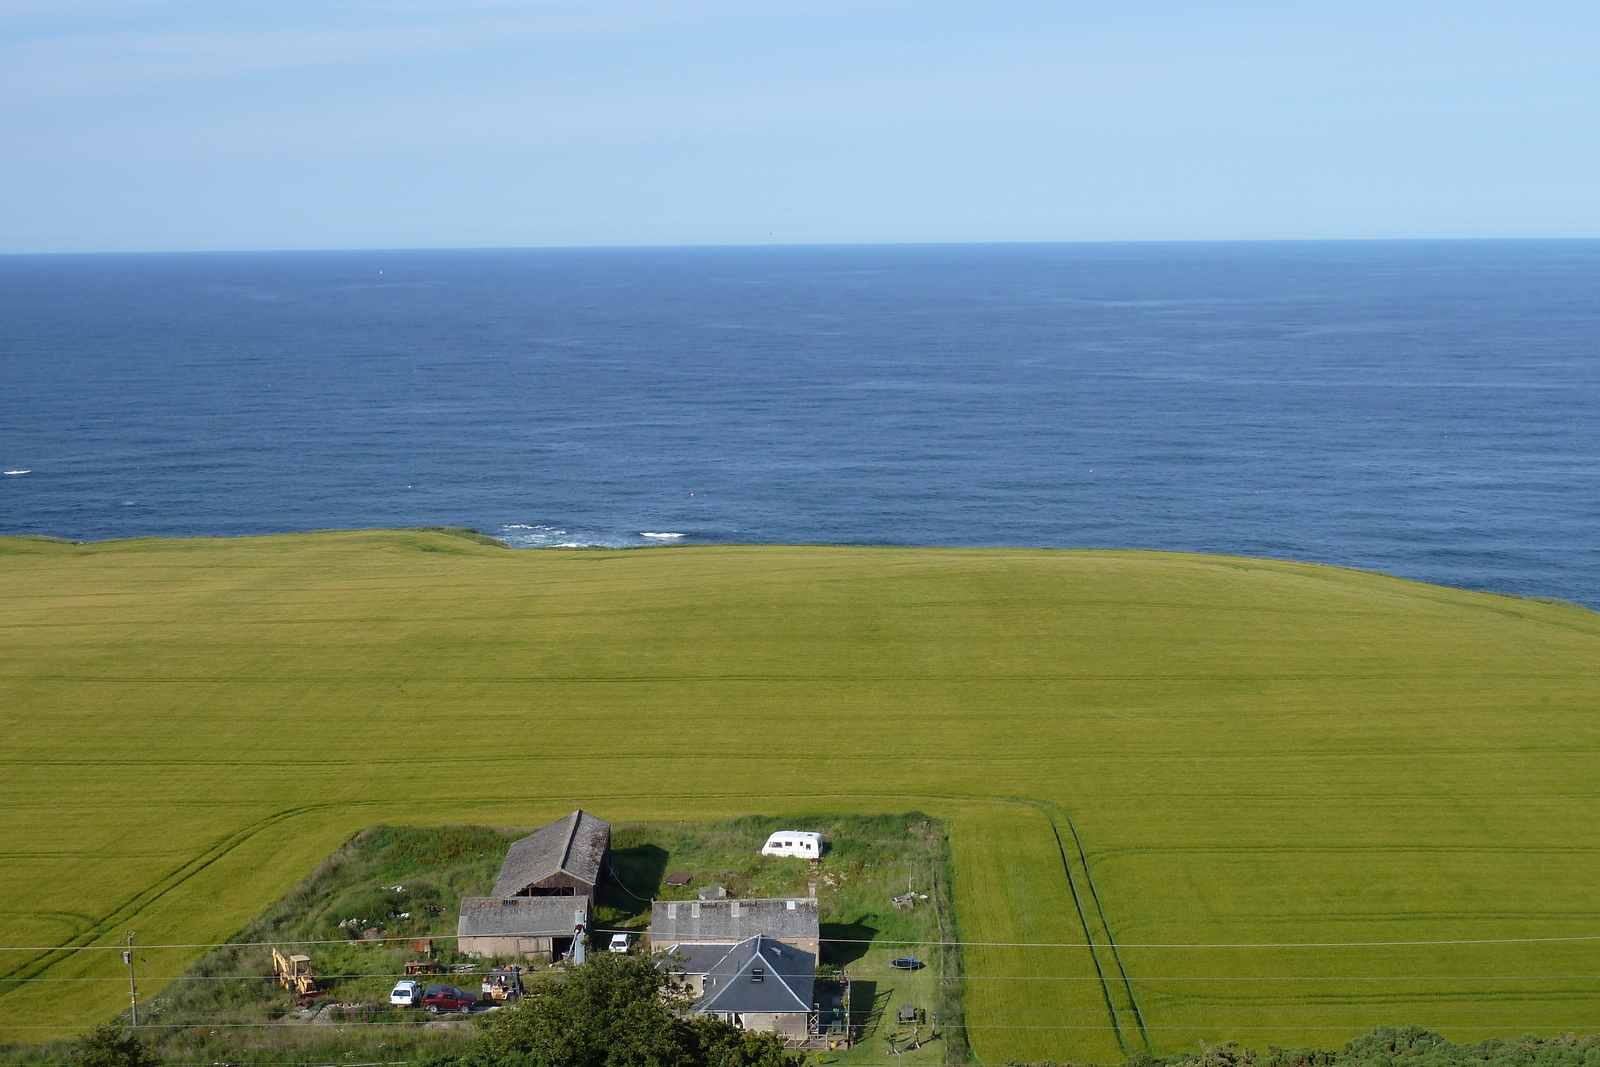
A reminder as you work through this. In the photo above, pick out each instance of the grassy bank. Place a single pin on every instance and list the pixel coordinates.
(1133, 750)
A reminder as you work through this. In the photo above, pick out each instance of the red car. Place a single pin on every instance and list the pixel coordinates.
(437, 998)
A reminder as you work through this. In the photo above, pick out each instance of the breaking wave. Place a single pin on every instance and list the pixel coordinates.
(545, 535)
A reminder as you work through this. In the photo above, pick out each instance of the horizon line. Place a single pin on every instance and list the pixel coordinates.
(715, 246)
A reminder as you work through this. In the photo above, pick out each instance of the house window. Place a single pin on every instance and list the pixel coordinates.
(757, 974)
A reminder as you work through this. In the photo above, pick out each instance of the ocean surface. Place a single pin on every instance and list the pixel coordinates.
(1429, 409)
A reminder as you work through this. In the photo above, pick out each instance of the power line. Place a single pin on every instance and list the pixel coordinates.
(201, 1017)
(896, 974)
(1196, 1018)
(858, 941)
(1258, 1028)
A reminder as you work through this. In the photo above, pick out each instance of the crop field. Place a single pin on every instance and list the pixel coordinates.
(1188, 798)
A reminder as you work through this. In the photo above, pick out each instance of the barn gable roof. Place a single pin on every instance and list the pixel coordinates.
(575, 845)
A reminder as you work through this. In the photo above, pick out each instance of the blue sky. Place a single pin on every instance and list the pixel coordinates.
(166, 124)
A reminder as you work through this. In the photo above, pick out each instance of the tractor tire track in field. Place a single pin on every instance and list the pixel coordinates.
(33, 966)
(1123, 1006)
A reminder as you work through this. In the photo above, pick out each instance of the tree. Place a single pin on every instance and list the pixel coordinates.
(720, 1044)
(109, 1046)
(617, 1011)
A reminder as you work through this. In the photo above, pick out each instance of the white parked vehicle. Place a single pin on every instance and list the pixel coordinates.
(406, 993)
(802, 843)
(620, 943)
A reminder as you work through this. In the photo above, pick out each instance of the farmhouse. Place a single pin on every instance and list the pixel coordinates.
(752, 962)
(545, 892)
(529, 927)
(564, 859)
(792, 920)
(762, 984)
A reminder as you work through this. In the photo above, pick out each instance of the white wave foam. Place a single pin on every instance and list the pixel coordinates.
(19, 472)
(540, 535)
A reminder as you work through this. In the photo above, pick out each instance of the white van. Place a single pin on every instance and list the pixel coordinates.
(802, 843)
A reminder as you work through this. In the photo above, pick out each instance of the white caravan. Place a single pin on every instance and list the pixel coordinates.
(802, 843)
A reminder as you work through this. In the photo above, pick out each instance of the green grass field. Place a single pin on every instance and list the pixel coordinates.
(1155, 749)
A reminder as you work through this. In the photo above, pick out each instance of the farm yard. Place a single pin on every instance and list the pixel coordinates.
(869, 861)
(1188, 798)
(363, 914)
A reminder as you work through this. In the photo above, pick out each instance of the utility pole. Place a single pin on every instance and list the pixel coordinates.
(133, 988)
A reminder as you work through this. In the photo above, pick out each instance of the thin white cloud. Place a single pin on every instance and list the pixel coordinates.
(64, 61)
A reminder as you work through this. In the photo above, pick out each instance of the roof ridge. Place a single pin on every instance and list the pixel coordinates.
(740, 900)
(755, 954)
(572, 835)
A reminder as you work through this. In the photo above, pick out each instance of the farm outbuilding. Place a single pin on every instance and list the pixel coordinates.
(565, 859)
(792, 920)
(526, 927)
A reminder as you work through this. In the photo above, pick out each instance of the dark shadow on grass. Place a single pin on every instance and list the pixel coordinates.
(639, 871)
(844, 943)
(864, 1007)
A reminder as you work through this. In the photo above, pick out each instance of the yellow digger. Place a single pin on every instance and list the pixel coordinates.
(294, 974)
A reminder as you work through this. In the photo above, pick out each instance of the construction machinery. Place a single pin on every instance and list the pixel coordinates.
(294, 974)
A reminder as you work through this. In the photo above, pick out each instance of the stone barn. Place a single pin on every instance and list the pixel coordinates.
(565, 859)
(526, 927)
(544, 892)
(792, 920)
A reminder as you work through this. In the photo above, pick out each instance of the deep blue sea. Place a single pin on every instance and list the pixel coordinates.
(1430, 409)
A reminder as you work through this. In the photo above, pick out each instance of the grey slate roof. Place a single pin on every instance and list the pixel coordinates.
(788, 978)
(519, 916)
(786, 918)
(691, 958)
(575, 844)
